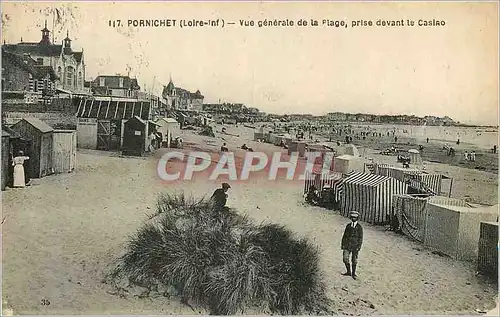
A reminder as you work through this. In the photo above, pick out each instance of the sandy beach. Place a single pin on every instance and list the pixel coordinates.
(61, 235)
(90, 90)
(466, 175)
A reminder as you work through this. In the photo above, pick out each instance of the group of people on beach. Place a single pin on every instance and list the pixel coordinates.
(470, 156)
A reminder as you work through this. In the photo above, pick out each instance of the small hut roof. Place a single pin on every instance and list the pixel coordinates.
(12, 134)
(347, 157)
(349, 149)
(5, 133)
(169, 120)
(39, 125)
(139, 119)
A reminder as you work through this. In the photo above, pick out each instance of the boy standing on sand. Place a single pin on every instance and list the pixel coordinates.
(351, 244)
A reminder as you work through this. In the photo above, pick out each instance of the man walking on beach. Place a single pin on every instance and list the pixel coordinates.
(351, 244)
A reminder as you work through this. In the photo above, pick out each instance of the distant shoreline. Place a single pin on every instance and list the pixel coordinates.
(369, 119)
(420, 125)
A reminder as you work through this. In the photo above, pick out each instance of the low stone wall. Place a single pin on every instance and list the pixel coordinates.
(56, 120)
(64, 105)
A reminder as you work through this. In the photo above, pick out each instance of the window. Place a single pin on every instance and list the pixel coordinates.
(121, 82)
(101, 81)
(59, 73)
(69, 76)
(39, 61)
(80, 81)
(31, 82)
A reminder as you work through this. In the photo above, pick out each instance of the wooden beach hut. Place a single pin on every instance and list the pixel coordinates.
(415, 157)
(286, 138)
(169, 128)
(257, 136)
(64, 151)
(100, 120)
(487, 259)
(370, 195)
(348, 149)
(16, 143)
(455, 230)
(320, 179)
(348, 163)
(298, 147)
(411, 212)
(415, 178)
(135, 137)
(40, 152)
(273, 139)
(5, 158)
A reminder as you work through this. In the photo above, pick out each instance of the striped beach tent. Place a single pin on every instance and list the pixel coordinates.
(411, 214)
(415, 178)
(320, 179)
(370, 195)
(432, 181)
(338, 186)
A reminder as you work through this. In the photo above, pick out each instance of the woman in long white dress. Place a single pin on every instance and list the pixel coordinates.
(17, 162)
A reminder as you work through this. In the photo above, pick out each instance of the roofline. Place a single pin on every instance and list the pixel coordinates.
(63, 130)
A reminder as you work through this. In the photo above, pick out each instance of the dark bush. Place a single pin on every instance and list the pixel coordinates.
(222, 261)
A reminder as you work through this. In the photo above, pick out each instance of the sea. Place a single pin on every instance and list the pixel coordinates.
(481, 137)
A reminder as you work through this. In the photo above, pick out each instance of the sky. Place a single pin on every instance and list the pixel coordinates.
(442, 71)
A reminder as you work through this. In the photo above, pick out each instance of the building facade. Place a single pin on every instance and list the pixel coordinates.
(23, 78)
(115, 86)
(182, 99)
(69, 65)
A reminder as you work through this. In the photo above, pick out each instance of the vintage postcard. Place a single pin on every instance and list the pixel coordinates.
(249, 158)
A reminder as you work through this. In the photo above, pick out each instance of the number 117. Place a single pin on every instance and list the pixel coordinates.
(115, 23)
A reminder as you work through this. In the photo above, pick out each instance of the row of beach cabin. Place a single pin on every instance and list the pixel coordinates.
(102, 124)
(424, 212)
(120, 124)
(50, 150)
(418, 202)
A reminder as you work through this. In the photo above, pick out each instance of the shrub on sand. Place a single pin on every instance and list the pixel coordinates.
(297, 280)
(222, 261)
